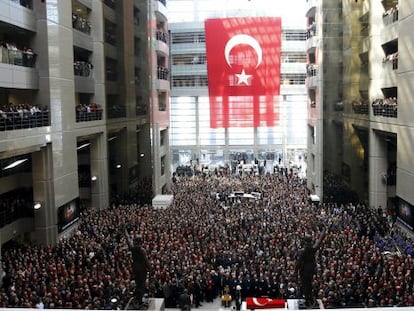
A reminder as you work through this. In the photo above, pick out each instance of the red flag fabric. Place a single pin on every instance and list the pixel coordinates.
(243, 66)
(264, 303)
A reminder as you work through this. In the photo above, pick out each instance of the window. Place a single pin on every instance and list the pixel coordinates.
(294, 35)
(188, 37)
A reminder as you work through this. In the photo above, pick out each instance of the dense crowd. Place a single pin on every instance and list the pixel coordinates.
(202, 244)
(12, 54)
(386, 107)
(18, 116)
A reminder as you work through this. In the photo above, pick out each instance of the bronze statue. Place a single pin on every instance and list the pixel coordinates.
(141, 267)
(306, 266)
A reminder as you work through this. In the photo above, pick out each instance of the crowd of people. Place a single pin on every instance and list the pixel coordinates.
(82, 68)
(386, 107)
(10, 53)
(81, 24)
(21, 116)
(201, 245)
(88, 112)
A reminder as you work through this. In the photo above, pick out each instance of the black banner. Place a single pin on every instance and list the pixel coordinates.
(68, 214)
(405, 213)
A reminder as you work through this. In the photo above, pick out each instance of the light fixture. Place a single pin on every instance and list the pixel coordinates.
(111, 138)
(14, 164)
(37, 205)
(142, 155)
(118, 166)
(94, 178)
(83, 146)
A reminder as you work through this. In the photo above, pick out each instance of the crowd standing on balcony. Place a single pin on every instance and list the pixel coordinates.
(311, 70)
(81, 24)
(386, 107)
(162, 36)
(14, 117)
(82, 68)
(11, 54)
(162, 73)
(204, 246)
(88, 112)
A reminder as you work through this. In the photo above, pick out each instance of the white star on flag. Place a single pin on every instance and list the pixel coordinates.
(243, 78)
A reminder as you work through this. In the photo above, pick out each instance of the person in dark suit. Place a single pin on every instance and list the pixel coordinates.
(306, 266)
(141, 266)
(185, 301)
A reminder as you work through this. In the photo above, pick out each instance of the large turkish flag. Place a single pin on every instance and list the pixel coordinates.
(243, 65)
(264, 303)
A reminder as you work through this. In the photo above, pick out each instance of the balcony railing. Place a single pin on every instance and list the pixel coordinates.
(141, 110)
(88, 113)
(10, 121)
(360, 107)
(392, 58)
(81, 24)
(385, 107)
(116, 111)
(311, 70)
(162, 36)
(83, 69)
(162, 73)
(390, 16)
(17, 57)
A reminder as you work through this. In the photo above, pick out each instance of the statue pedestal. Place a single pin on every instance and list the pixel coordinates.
(154, 304)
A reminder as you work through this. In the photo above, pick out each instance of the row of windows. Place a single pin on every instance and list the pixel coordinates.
(199, 37)
(201, 81)
(188, 37)
(200, 59)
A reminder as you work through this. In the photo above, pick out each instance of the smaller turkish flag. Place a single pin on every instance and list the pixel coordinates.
(264, 303)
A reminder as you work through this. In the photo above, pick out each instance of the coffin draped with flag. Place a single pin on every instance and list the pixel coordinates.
(264, 303)
(243, 65)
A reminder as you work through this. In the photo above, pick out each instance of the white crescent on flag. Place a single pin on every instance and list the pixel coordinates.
(243, 39)
(258, 304)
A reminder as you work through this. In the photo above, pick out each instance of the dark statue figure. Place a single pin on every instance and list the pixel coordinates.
(141, 267)
(306, 267)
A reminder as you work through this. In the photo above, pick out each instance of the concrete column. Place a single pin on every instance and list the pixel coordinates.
(99, 168)
(377, 169)
(43, 192)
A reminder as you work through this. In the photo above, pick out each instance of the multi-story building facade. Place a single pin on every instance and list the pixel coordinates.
(191, 137)
(359, 94)
(84, 94)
